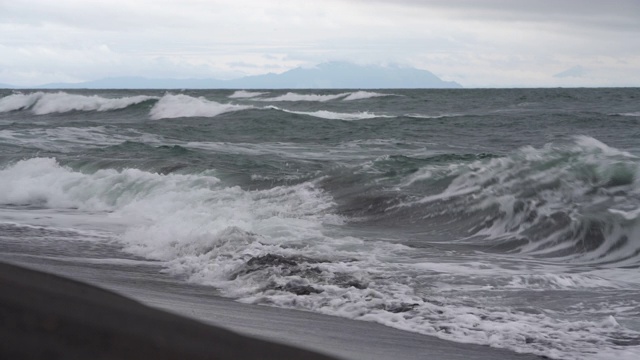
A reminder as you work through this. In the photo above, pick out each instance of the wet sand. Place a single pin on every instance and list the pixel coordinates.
(44, 316)
(267, 332)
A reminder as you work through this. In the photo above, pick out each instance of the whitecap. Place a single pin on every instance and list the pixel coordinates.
(19, 101)
(291, 96)
(209, 233)
(637, 113)
(426, 116)
(61, 102)
(359, 95)
(243, 94)
(175, 106)
(331, 115)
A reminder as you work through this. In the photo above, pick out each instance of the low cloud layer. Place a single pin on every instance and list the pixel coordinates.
(478, 43)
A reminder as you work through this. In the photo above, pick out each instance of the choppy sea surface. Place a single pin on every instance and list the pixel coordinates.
(509, 218)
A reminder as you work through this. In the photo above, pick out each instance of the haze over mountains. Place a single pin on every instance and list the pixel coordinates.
(330, 75)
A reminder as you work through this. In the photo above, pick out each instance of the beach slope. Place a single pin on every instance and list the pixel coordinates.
(45, 316)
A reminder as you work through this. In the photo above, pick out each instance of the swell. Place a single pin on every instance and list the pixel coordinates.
(170, 106)
(41, 103)
(345, 96)
(160, 159)
(331, 115)
(577, 201)
(272, 247)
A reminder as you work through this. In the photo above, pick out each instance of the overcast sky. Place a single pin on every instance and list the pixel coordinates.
(478, 43)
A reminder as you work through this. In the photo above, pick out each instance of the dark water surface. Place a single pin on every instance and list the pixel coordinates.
(509, 218)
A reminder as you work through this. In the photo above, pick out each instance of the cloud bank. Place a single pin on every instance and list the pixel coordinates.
(478, 43)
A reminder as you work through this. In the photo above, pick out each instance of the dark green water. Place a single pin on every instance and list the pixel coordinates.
(501, 217)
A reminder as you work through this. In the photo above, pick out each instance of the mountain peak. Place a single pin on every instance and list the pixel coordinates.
(328, 75)
(338, 74)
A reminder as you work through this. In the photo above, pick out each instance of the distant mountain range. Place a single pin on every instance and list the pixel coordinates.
(330, 75)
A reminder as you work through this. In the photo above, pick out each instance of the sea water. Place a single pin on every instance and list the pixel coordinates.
(509, 218)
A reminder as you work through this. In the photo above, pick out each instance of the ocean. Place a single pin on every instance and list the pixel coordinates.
(506, 217)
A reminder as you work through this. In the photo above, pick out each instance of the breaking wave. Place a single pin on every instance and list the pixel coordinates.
(175, 106)
(359, 95)
(243, 94)
(19, 101)
(290, 96)
(271, 247)
(324, 114)
(41, 103)
(346, 96)
(574, 202)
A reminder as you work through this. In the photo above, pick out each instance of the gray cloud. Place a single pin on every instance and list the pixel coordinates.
(614, 14)
(474, 42)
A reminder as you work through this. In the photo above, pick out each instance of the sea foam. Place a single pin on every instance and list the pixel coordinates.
(359, 95)
(291, 96)
(68, 139)
(637, 113)
(243, 94)
(175, 106)
(331, 115)
(346, 96)
(19, 101)
(61, 102)
(271, 247)
(570, 202)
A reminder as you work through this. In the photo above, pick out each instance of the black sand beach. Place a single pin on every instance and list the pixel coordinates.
(47, 316)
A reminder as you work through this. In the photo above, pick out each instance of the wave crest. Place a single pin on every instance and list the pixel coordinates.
(345, 96)
(42, 103)
(19, 101)
(175, 106)
(243, 94)
(270, 247)
(291, 96)
(359, 95)
(573, 201)
(331, 115)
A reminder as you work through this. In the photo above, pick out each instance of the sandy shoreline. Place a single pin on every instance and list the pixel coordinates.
(297, 330)
(45, 316)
